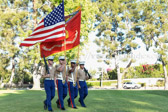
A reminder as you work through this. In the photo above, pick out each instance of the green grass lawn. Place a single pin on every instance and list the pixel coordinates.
(97, 101)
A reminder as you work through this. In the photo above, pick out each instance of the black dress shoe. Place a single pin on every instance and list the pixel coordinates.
(79, 101)
(63, 108)
(75, 107)
(57, 102)
(84, 106)
(45, 106)
(69, 104)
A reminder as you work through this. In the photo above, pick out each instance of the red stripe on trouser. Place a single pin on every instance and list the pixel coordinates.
(58, 94)
(70, 94)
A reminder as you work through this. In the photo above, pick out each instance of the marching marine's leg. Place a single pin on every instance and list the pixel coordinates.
(48, 92)
(60, 93)
(75, 91)
(71, 94)
(45, 101)
(52, 89)
(65, 88)
(85, 90)
(81, 93)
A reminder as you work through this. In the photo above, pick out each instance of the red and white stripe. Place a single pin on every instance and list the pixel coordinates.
(54, 32)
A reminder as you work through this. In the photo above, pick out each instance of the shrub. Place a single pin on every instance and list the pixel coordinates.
(28, 79)
(93, 79)
(160, 83)
(97, 83)
(143, 84)
(112, 74)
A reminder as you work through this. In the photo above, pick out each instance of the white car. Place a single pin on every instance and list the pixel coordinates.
(131, 85)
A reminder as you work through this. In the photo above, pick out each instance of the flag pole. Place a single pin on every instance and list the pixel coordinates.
(64, 75)
(76, 75)
(76, 69)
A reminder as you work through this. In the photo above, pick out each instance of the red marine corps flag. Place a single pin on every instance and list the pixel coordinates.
(72, 29)
(51, 28)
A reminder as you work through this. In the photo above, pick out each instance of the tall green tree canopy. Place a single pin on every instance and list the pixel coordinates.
(116, 24)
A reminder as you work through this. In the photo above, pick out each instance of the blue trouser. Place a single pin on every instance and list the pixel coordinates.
(83, 92)
(49, 86)
(73, 93)
(62, 92)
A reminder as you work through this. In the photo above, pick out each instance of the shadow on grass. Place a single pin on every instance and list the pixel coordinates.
(129, 101)
(21, 101)
(163, 93)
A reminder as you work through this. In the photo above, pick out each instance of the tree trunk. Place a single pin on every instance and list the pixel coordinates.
(1, 80)
(36, 78)
(120, 75)
(36, 82)
(119, 82)
(165, 74)
(12, 76)
(13, 72)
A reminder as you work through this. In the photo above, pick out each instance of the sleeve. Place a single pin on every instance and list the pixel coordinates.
(57, 67)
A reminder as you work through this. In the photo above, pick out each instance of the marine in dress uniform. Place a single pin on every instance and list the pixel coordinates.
(61, 76)
(82, 86)
(49, 83)
(72, 84)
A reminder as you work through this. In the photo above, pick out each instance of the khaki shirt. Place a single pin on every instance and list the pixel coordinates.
(52, 70)
(60, 75)
(81, 74)
(72, 76)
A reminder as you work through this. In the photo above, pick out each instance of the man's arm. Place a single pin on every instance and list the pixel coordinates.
(60, 68)
(88, 76)
(78, 83)
(44, 75)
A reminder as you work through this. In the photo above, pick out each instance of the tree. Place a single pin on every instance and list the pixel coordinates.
(154, 22)
(10, 18)
(17, 22)
(162, 38)
(116, 25)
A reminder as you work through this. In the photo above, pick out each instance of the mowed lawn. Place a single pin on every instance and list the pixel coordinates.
(97, 101)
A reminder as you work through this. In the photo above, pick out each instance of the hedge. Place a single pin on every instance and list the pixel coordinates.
(104, 83)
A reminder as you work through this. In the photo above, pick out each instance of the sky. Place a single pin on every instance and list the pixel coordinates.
(140, 55)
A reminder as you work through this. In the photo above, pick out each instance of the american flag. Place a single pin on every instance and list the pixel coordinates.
(51, 28)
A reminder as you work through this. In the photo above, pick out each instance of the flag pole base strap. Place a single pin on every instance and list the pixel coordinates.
(74, 84)
(63, 81)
